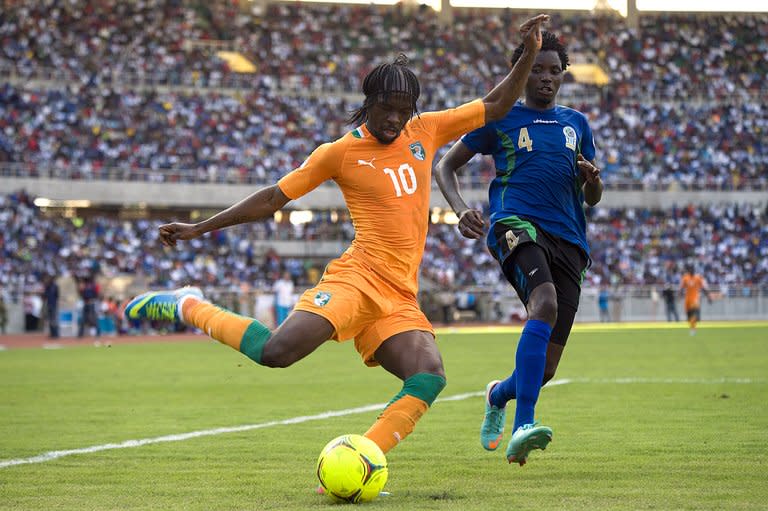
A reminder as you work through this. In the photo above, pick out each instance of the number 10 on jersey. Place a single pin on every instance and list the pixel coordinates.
(404, 179)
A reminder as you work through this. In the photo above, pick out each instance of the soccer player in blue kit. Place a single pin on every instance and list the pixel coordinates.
(544, 156)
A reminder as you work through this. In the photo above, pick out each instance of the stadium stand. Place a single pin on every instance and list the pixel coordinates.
(136, 93)
(105, 134)
(681, 74)
(630, 246)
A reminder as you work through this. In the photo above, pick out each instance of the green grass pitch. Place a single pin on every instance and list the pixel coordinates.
(643, 419)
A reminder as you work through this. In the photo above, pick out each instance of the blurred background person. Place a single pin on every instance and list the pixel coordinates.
(89, 294)
(283, 289)
(669, 302)
(51, 295)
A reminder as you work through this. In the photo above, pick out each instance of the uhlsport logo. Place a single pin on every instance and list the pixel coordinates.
(418, 151)
(322, 298)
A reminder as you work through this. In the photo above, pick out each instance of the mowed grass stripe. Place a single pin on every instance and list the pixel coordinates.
(52, 455)
(627, 437)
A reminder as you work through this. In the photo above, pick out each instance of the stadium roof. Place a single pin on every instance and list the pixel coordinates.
(697, 6)
(589, 73)
(236, 61)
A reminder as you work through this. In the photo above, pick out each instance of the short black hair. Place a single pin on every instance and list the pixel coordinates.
(385, 80)
(549, 42)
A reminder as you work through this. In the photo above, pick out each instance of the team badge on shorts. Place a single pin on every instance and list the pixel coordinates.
(418, 151)
(512, 240)
(322, 298)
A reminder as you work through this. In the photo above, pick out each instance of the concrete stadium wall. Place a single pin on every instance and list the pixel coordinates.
(327, 196)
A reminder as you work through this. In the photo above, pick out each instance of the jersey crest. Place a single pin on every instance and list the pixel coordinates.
(322, 298)
(418, 151)
(570, 137)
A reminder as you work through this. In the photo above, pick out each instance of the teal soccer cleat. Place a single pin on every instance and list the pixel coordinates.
(160, 305)
(527, 438)
(492, 428)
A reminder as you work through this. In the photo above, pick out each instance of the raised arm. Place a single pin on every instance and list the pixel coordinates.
(502, 98)
(471, 224)
(257, 206)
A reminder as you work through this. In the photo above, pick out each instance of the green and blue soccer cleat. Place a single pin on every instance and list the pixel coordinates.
(160, 305)
(492, 428)
(527, 438)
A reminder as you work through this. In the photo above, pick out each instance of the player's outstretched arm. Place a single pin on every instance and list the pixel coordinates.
(257, 206)
(502, 98)
(471, 223)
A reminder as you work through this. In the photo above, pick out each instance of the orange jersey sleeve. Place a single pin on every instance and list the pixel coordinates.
(323, 164)
(448, 125)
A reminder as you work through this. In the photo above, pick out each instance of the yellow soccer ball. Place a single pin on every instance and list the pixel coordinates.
(352, 468)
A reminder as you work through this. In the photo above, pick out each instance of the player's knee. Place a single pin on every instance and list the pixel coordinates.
(275, 354)
(439, 385)
(425, 386)
(433, 367)
(542, 304)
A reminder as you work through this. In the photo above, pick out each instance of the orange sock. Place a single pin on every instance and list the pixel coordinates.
(396, 422)
(242, 333)
(402, 413)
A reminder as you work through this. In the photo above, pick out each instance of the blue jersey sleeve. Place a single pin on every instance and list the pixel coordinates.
(588, 149)
(482, 140)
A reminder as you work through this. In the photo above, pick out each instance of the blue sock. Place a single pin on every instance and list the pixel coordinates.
(504, 391)
(530, 361)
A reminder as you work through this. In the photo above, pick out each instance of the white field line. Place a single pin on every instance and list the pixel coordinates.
(52, 455)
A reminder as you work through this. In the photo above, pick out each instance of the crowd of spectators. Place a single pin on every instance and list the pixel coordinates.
(93, 41)
(677, 112)
(728, 244)
(328, 46)
(33, 246)
(685, 109)
(92, 133)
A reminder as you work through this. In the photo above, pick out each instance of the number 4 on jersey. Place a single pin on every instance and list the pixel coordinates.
(524, 140)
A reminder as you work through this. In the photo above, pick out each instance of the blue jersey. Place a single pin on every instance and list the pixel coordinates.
(536, 173)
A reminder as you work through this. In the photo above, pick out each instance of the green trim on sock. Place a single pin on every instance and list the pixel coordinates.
(253, 341)
(425, 386)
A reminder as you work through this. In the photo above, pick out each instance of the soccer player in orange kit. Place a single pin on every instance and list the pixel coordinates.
(693, 285)
(383, 168)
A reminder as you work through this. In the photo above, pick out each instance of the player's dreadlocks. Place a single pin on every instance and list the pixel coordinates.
(549, 42)
(382, 82)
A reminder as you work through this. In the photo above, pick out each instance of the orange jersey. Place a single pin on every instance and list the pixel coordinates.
(692, 284)
(386, 187)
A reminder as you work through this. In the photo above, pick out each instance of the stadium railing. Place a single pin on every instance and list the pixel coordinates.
(734, 302)
(234, 176)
